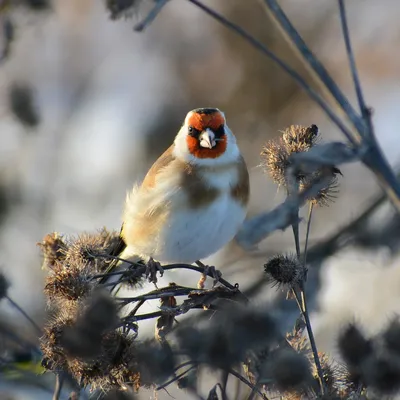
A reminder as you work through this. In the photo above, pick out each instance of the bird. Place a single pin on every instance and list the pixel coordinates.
(194, 198)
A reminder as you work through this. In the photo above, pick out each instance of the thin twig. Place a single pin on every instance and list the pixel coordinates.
(247, 383)
(176, 377)
(58, 386)
(310, 211)
(302, 304)
(264, 50)
(345, 29)
(294, 38)
(31, 321)
(151, 15)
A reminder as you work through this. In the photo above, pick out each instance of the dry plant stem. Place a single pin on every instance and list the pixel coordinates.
(151, 15)
(302, 304)
(264, 50)
(31, 321)
(310, 211)
(246, 382)
(176, 377)
(350, 54)
(294, 38)
(58, 386)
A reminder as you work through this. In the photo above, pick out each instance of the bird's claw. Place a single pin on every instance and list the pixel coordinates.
(214, 273)
(152, 267)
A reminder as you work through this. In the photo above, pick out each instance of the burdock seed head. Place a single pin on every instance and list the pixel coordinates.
(284, 270)
(327, 194)
(391, 337)
(4, 286)
(353, 346)
(275, 154)
(287, 370)
(299, 138)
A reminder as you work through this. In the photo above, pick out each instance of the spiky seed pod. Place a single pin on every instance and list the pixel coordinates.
(4, 286)
(53, 248)
(326, 195)
(391, 337)
(122, 8)
(300, 138)
(68, 282)
(382, 373)
(155, 362)
(353, 346)
(288, 370)
(22, 104)
(284, 270)
(113, 368)
(275, 159)
(275, 154)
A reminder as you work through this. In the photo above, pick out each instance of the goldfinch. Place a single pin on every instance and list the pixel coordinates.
(193, 199)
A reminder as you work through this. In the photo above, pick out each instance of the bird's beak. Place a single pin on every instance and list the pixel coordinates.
(207, 139)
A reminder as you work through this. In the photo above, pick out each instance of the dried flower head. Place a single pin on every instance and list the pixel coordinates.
(4, 286)
(155, 362)
(68, 282)
(22, 104)
(284, 270)
(226, 341)
(391, 337)
(353, 346)
(288, 370)
(53, 248)
(327, 194)
(275, 154)
(300, 138)
(382, 373)
(122, 8)
(93, 249)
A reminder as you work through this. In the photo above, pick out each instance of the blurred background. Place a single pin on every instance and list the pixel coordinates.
(87, 105)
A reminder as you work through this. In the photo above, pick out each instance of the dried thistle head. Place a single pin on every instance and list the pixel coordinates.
(288, 370)
(93, 249)
(4, 286)
(327, 194)
(122, 8)
(381, 372)
(154, 362)
(68, 282)
(353, 346)
(391, 337)
(226, 341)
(113, 368)
(275, 154)
(299, 138)
(53, 248)
(284, 270)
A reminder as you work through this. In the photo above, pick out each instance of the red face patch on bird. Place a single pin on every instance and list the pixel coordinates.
(206, 133)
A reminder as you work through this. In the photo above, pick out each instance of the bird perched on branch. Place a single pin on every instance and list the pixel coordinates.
(193, 199)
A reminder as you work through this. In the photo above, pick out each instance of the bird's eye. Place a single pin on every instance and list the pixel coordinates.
(220, 131)
(192, 131)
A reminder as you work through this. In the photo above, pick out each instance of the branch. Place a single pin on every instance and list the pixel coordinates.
(264, 50)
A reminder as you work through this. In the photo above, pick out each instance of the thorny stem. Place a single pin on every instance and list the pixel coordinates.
(58, 386)
(17, 307)
(302, 304)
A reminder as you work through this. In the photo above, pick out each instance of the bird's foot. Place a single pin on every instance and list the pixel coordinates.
(208, 269)
(152, 267)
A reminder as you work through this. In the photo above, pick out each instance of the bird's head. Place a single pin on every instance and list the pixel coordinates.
(204, 138)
